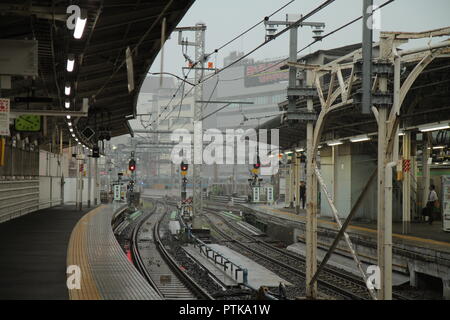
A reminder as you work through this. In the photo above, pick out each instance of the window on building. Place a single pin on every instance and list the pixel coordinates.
(164, 123)
(278, 98)
(184, 107)
(262, 100)
(181, 121)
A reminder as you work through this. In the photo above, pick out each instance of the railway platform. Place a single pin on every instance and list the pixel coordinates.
(41, 251)
(421, 234)
(423, 253)
(106, 272)
(34, 250)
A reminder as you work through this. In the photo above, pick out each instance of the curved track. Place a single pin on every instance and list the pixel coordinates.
(157, 265)
(331, 281)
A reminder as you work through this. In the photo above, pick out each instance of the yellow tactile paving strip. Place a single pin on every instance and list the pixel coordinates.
(334, 224)
(106, 272)
(76, 255)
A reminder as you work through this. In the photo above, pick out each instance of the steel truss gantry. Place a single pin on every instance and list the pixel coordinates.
(387, 113)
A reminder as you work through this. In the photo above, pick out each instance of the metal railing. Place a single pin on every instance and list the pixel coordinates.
(225, 263)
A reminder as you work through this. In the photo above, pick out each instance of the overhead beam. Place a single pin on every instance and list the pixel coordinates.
(41, 12)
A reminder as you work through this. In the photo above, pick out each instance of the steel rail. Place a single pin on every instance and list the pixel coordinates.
(136, 256)
(190, 283)
(333, 272)
(330, 286)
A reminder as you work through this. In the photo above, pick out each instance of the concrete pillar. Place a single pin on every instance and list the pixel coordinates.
(413, 277)
(425, 168)
(77, 196)
(406, 186)
(446, 289)
(296, 181)
(414, 173)
(96, 182)
(216, 173)
(291, 182)
(89, 183)
(334, 150)
(287, 185)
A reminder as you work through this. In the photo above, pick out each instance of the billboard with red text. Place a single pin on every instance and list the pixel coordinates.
(260, 74)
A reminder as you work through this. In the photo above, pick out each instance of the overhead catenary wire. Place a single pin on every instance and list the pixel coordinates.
(295, 24)
(218, 49)
(253, 27)
(309, 14)
(313, 42)
(306, 47)
(315, 10)
(320, 7)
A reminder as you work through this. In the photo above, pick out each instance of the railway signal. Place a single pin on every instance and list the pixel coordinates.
(256, 166)
(132, 165)
(184, 168)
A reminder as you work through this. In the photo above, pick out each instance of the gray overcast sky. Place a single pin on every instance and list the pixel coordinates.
(226, 19)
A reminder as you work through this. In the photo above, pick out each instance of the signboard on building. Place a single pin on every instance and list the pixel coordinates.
(269, 194)
(117, 192)
(446, 203)
(255, 194)
(261, 74)
(4, 117)
(19, 57)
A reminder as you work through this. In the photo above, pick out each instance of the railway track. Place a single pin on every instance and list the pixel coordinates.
(157, 265)
(331, 281)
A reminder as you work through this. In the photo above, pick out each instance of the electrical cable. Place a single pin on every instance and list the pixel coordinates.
(221, 47)
(315, 41)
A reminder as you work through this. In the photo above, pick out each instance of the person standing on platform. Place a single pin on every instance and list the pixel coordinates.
(303, 193)
(431, 203)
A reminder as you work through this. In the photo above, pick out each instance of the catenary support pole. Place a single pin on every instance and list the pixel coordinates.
(382, 116)
(198, 94)
(311, 218)
(367, 56)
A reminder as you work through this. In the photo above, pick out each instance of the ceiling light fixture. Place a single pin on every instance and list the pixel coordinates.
(435, 127)
(360, 138)
(70, 63)
(79, 27)
(334, 143)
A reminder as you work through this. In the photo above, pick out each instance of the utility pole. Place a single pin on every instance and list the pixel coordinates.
(311, 199)
(198, 66)
(294, 91)
(367, 57)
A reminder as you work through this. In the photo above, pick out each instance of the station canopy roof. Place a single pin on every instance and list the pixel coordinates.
(426, 102)
(100, 72)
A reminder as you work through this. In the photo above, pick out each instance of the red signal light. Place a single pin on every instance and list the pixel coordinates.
(257, 164)
(132, 165)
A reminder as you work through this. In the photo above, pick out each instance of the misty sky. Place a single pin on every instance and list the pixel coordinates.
(226, 19)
